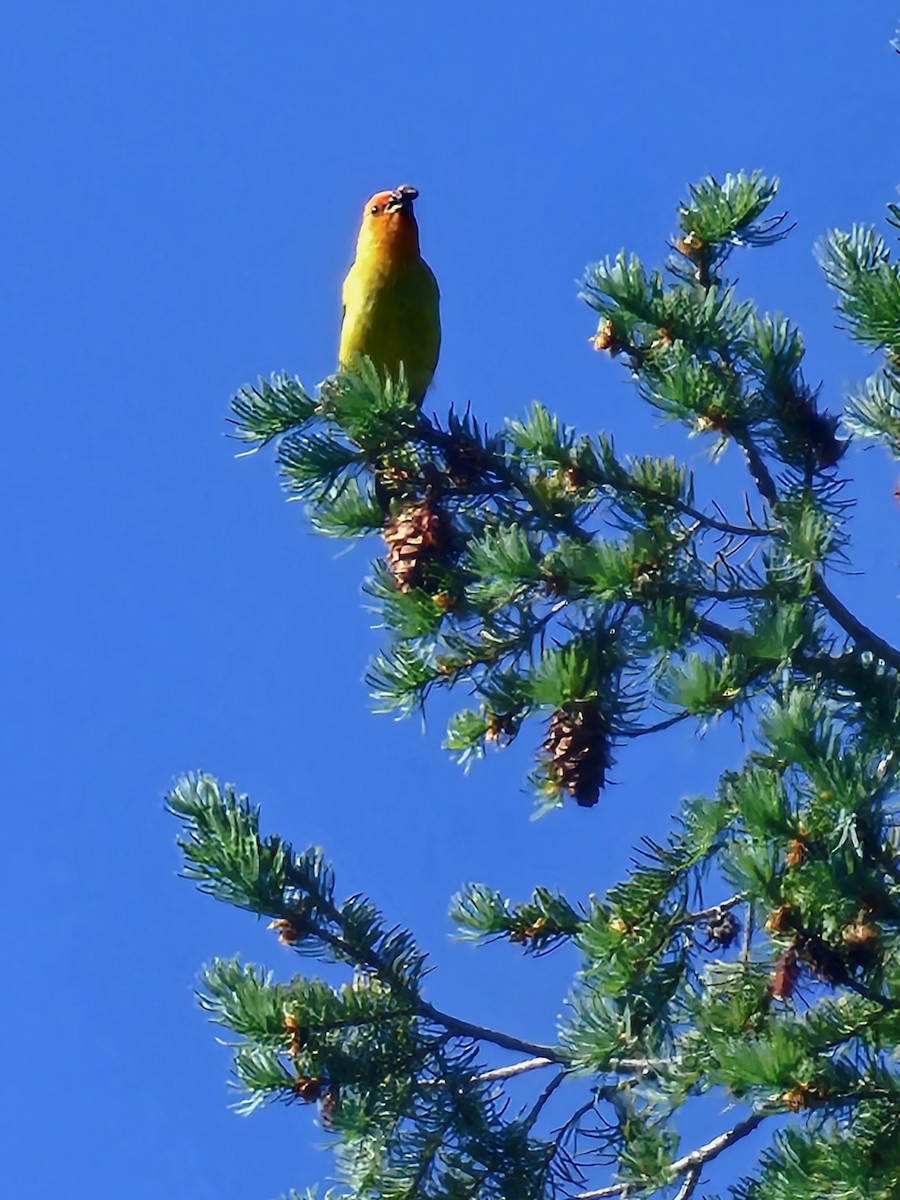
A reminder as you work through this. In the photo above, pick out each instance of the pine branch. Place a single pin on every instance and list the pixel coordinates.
(555, 581)
(268, 877)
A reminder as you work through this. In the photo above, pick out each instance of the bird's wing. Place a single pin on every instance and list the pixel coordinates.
(344, 289)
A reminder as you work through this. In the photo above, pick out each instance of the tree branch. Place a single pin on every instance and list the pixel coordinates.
(452, 1024)
(758, 469)
(735, 593)
(544, 1097)
(481, 1034)
(688, 510)
(704, 914)
(659, 726)
(690, 1163)
(687, 1188)
(519, 1068)
(861, 634)
(498, 467)
(838, 611)
(812, 665)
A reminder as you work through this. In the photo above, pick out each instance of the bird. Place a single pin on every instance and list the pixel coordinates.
(391, 297)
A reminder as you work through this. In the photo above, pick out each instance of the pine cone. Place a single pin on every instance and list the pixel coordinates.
(722, 928)
(577, 746)
(817, 430)
(465, 462)
(416, 537)
(824, 960)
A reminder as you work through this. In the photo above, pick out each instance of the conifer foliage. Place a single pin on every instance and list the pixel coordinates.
(579, 599)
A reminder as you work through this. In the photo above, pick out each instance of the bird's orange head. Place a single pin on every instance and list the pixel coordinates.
(389, 228)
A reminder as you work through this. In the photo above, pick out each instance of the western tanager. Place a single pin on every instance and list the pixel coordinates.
(391, 297)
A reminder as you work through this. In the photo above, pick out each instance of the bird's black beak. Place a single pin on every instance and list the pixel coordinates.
(402, 198)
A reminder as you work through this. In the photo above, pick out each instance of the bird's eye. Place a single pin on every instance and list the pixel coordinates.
(375, 210)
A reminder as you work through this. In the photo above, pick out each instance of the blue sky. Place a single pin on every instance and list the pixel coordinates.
(180, 196)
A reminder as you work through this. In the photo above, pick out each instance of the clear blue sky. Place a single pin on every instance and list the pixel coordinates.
(181, 187)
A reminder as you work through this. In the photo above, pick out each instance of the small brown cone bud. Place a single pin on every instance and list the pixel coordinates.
(533, 934)
(804, 1095)
(575, 479)
(288, 933)
(797, 851)
(577, 746)
(862, 944)
(690, 245)
(781, 919)
(556, 585)
(605, 339)
(298, 1034)
(712, 421)
(329, 1105)
(307, 1088)
(817, 430)
(501, 728)
(784, 978)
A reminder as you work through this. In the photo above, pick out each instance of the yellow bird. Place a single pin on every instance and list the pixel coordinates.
(391, 297)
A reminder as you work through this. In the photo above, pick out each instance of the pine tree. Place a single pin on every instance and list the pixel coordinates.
(586, 600)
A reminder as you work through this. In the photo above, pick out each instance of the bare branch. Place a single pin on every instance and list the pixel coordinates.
(616, 1066)
(660, 725)
(705, 1154)
(544, 1097)
(758, 469)
(519, 1068)
(690, 1164)
(481, 1034)
(692, 1178)
(861, 634)
(614, 1189)
(706, 913)
(696, 514)
(454, 1025)
(748, 935)
(838, 611)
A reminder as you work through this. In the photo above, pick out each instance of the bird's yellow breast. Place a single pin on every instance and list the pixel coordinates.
(391, 315)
